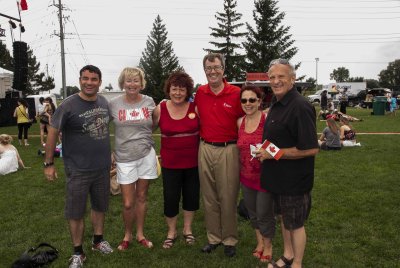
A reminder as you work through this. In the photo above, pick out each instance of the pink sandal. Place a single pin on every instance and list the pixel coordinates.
(265, 258)
(146, 243)
(124, 245)
(257, 253)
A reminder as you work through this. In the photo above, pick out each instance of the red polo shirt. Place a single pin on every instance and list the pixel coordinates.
(219, 113)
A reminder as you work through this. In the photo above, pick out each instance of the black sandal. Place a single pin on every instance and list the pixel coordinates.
(286, 261)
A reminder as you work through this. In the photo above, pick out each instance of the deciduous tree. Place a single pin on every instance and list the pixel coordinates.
(372, 83)
(356, 79)
(390, 77)
(70, 90)
(341, 74)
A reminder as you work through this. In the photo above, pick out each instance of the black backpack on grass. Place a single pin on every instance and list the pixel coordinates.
(34, 258)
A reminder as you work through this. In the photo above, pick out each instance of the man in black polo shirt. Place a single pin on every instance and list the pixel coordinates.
(291, 127)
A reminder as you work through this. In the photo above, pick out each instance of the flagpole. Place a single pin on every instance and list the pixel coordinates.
(19, 14)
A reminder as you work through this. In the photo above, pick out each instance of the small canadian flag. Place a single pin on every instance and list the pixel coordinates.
(272, 149)
(22, 5)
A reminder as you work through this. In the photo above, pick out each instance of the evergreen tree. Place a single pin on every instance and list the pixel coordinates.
(227, 30)
(37, 81)
(269, 39)
(33, 76)
(158, 60)
(44, 83)
(6, 61)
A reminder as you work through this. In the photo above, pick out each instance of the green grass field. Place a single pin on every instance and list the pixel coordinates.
(354, 222)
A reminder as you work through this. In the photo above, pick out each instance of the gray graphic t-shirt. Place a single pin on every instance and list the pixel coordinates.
(85, 132)
(133, 128)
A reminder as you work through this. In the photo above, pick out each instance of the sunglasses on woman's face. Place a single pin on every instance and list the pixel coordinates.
(251, 100)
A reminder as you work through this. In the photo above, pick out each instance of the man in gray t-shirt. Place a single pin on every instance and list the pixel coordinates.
(83, 119)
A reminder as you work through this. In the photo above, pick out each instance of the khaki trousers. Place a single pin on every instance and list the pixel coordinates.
(219, 184)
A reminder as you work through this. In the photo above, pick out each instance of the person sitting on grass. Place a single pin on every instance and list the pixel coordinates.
(347, 133)
(323, 114)
(336, 115)
(330, 137)
(9, 156)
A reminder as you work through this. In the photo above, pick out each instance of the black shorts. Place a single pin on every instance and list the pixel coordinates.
(294, 209)
(177, 183)
(80, 185)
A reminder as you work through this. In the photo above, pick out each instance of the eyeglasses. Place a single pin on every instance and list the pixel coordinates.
(251, 100)
(208, 69)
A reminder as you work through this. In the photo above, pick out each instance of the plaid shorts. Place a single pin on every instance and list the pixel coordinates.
(79, 185)
(294, 209)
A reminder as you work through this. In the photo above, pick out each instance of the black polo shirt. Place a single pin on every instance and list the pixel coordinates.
(290, 123)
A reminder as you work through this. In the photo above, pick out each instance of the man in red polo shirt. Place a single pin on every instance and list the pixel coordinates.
(218, 106)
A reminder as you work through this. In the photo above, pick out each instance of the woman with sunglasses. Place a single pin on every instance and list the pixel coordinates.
(258, 201)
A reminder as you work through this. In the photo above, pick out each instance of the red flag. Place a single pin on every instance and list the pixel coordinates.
(24, 5)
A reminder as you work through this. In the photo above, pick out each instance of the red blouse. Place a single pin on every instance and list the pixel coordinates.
(179, 139)
(250, 170)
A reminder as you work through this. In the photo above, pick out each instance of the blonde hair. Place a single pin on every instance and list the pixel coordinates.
(5, 139)
(332, 125)
(345, 121)
(130, 72)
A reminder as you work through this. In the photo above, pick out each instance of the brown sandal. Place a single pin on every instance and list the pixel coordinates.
(189, 239)
(169, 243)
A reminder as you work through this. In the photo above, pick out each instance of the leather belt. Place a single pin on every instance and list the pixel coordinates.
(219, 144)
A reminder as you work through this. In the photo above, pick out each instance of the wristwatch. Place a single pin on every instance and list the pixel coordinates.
(45, 164)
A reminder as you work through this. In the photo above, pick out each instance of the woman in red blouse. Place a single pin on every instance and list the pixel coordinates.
(257, 200)
(179, 125)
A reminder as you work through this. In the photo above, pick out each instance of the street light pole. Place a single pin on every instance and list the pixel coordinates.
(316, 73)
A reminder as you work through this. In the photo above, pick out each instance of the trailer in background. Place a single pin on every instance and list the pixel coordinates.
(355, 90)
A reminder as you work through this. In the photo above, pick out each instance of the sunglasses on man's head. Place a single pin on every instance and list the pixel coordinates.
(251, 100)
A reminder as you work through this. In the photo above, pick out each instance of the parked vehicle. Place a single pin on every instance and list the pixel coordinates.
(316, 97)
(371, 93)
(353, 90)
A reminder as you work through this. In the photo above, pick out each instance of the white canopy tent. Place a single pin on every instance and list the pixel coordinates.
(6, 78)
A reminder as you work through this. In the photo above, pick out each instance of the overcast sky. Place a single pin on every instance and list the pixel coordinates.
(361, 35)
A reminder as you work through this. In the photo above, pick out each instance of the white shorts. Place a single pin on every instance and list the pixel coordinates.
(144, 168)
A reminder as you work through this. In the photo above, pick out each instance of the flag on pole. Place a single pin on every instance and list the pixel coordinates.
(272, 149)
(23, 5)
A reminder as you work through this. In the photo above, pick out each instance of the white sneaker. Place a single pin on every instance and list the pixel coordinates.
(104, 247)
(76, 261)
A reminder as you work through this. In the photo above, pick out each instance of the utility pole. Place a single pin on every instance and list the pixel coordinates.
(316, 73)
(60, 16)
